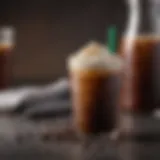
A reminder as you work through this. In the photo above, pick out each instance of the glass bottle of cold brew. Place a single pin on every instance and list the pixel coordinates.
(139, 48)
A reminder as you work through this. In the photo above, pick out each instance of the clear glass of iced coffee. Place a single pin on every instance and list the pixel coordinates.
(92, 71)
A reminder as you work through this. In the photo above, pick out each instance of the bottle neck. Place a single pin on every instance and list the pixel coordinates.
(144, 17)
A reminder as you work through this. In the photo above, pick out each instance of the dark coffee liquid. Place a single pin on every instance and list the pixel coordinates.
(93, 102)
(137, 81)
(4, 67)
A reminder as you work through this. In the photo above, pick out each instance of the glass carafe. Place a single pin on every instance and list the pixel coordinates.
(140, 47)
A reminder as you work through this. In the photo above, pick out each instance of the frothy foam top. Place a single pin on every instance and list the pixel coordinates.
(94, 56)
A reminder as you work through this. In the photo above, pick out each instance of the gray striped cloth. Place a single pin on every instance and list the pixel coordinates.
(51, 99)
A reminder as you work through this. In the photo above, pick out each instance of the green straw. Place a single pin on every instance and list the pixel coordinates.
(112, 39)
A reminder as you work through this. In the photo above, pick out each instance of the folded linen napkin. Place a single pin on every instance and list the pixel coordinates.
(45, 100)
(57, 91)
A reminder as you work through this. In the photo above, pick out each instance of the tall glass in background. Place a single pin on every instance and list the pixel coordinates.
(7, 43)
